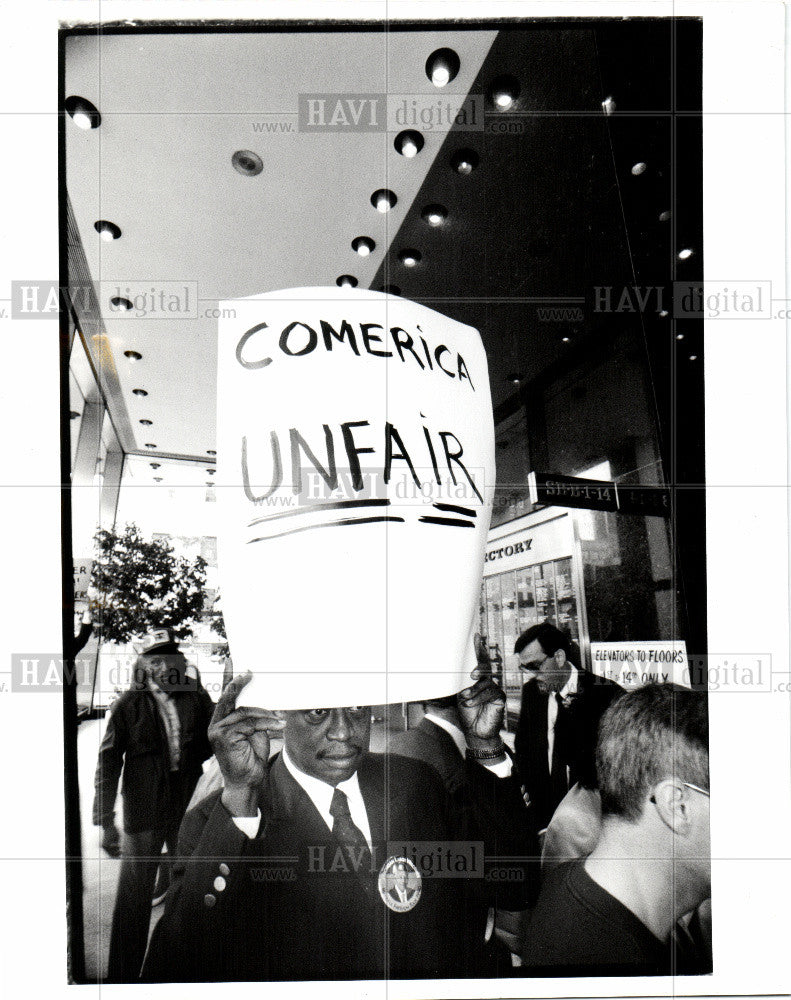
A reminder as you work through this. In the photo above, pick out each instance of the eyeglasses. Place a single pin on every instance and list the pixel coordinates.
(697, 788)
(689, 784)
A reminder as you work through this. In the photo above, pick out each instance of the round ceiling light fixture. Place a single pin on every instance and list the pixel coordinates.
(139, 392)
(410, 258)
(133, 355)
(639, 168)
(442, 66)
(464, 161)
(107, 230)
(210, 451)
(119, 304)
(664, 216)
(685, 254)
(409, 143)
(383, 200)
(504, 92)
(154, 465)
(84, 114)
(150, 446)
(247, 163)
(146, 423)
(346, 281)
(363, 245)
(513, 378)
(434, 215)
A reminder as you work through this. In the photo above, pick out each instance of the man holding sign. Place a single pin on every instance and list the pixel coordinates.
(287, 873)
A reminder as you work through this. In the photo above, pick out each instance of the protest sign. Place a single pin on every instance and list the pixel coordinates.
(355, 482)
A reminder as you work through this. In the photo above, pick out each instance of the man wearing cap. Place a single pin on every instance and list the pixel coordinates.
(288, 872)
(157, 735)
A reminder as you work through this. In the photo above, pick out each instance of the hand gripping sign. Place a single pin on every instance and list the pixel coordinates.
(355, 482)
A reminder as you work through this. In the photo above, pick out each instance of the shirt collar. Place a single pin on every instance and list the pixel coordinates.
(452, 730)
(319, 792)
(570, 687)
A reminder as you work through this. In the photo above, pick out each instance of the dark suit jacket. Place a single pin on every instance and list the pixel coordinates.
(594, 696)
(430, 743)
(291, 907)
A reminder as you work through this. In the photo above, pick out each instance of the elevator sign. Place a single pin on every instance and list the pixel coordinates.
(355, 482)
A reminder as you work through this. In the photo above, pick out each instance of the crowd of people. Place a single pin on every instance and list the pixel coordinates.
(584, 851)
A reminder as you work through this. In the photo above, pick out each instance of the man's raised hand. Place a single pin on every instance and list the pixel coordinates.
(240, 738)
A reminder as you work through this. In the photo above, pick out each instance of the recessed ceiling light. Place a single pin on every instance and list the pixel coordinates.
(73, 414)
(139, 392)
(346, 281)
(247, 163)
(210, 451)
(464, 161)
(663, 313)
(693, 357)
(410, 258)
(608, 105)
(434, 215)
(383, 200)
(685, 254)
(504, 92)
(639, 168)
(442, 67)
(566, 339)
(82, 112)
(146, 423)
(391, 289)
(664, 216)
(150, 446)
(409, 143)
(133, 355)
(363, 245)
(679, 336)
(513, 378)
(119, 304)
(107, 230)
(154, 465)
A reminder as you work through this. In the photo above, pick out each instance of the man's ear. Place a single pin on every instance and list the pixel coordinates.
(671, 801)
(560, 659)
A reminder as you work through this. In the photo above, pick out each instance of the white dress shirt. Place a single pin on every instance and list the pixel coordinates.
(568, 689)
(320, 794)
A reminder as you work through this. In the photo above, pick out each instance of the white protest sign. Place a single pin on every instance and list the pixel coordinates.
(632, 664)
(355, 483)
(82, 578)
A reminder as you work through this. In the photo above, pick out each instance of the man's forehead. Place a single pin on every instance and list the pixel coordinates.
(532, 651)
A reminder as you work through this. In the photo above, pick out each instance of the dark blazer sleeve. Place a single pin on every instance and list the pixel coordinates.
(197, 901)
(492, 809)
(110, 763)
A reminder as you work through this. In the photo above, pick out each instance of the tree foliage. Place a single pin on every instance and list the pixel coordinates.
(141, 584)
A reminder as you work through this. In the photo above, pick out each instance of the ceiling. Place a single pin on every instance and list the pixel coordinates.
(551, 211)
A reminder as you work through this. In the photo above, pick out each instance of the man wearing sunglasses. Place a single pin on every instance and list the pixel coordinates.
(614, 913)
(558, 721)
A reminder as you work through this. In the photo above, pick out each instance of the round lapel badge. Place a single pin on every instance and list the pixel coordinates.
(400, 884)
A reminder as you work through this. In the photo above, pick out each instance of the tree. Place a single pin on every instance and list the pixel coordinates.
(142, 585)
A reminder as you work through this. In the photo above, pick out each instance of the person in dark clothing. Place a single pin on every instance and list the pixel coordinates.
(559, 719)
(616, 912)
(293, 870)
(438, 739)
(157, 736)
